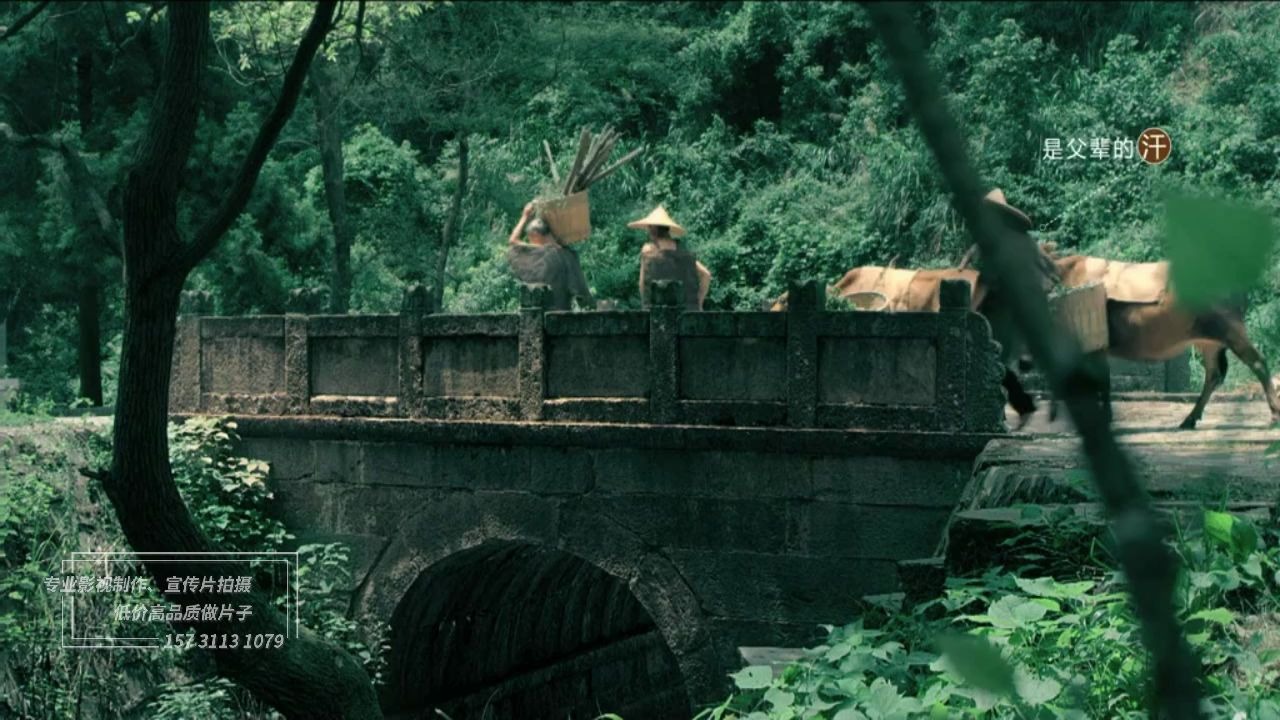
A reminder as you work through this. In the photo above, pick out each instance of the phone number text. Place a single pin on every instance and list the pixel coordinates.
(226, 641)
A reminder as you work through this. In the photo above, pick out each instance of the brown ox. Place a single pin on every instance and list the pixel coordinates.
(1145, 322)
(905, 290)
(918, 291)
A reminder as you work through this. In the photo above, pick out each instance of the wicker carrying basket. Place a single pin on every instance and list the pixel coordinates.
(569, 216)
(1082, 311)
(867, 301)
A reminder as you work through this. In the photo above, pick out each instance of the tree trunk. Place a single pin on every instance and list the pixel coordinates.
(451, 225)
(329, 130)
(88, 310)
(307, 677)
(88, 306)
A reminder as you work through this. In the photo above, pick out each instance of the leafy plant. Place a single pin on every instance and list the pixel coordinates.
(1007, 645)
(228, 494)
(47, 511)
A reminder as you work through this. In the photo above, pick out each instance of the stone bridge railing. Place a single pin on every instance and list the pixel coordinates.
(803, 368)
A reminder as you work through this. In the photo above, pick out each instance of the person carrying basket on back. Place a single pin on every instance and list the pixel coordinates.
(544, 260)
(662, 258)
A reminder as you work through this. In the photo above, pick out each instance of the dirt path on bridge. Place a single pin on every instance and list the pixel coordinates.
(1224, 459)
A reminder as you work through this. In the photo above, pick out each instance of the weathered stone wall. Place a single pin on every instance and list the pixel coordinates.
(727, 537)
(530, 495)
(804, 368)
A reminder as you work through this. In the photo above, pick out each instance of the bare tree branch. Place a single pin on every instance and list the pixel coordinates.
(238, 196)
(144, 26)
(22, 21)
(83, 192)
(360, 33)
(41, 142)
(1148, 562)
(106, 25)
(13, 303)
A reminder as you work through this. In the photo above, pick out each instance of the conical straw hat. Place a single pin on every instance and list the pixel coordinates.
(996, 197)
(660, 218)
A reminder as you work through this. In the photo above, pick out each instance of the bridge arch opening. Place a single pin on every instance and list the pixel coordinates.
(507, 630)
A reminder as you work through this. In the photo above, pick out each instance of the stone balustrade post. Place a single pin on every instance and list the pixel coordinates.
(415, 306)
(806, 302)
(184, 376)
(953, 355)
(954, 295)
(297, 364)
(667, 303)
(532, 379)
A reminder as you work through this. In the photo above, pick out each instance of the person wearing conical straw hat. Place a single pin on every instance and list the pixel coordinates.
(544, 260)
(1013, 345)
(663, 258)
(1013, 219)
(1012, 216)
(1021, 225)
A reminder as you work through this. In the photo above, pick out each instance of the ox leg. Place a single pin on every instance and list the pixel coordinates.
(1098, 365)
(1239, 343)
(1214, 360)
(1019, 399)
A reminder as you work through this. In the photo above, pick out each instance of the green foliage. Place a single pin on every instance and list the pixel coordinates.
(40, 522)
(228, 494)
(775, 132)
(395, 205)
(47, 511)
(324, 579)
(214, 698)
(1009, 644)
(47, 363)
(1216, 249)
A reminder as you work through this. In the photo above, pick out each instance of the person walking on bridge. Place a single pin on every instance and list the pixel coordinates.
(544, 260)
(662, 258)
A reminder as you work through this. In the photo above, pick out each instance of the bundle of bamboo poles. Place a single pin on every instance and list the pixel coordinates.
(588, 165)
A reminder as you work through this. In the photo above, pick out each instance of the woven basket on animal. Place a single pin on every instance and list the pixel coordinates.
(1082, 312)
(569, 213)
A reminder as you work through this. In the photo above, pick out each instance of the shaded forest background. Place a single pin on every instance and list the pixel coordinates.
(775, 132)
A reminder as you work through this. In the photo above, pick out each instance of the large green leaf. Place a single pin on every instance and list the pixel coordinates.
(779, 699)
(1217, 525)
(1216, 248)
(837, 652)
(1050, 588)
(1033, 690)
(1234, 533)
(978, 662)
(1221, 616)
(884, 702)
(1011, 612)
(753, 677)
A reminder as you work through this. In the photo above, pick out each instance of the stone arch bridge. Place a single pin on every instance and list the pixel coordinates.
(562, 514)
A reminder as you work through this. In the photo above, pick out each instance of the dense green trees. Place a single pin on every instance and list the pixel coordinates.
(773, 131)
